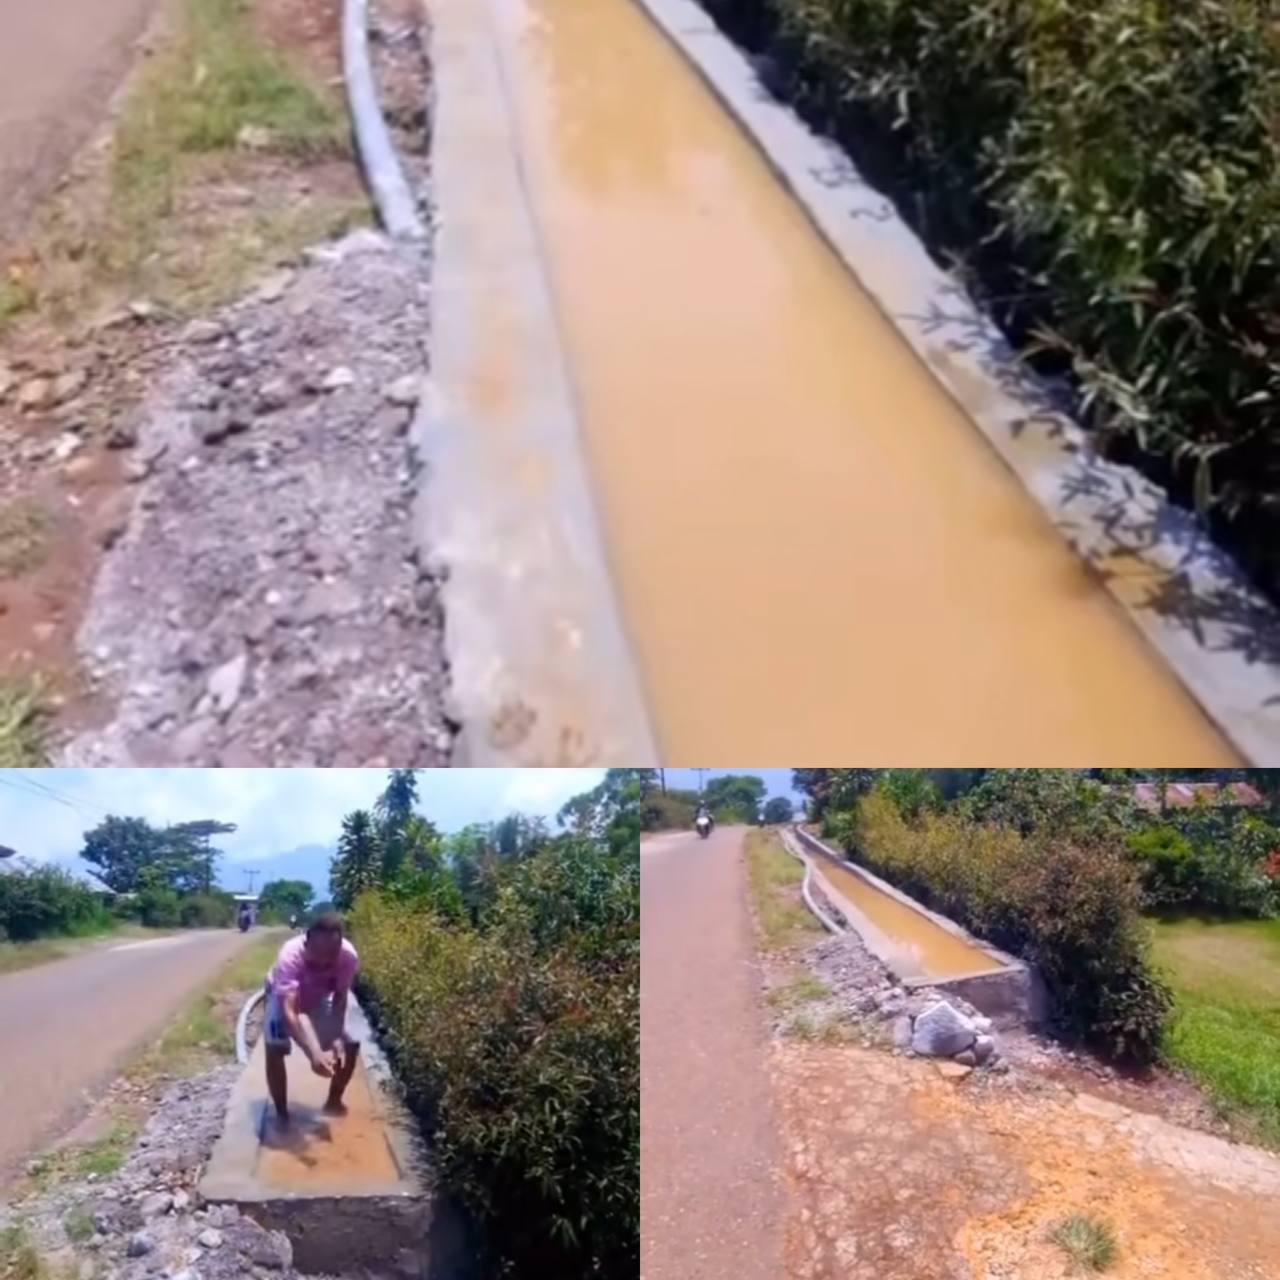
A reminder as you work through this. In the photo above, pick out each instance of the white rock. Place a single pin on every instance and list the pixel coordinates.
(210, 1237)
(180, 1201)
(983, 1048)
(981, 1023)
(902, 1031)
(338, 378)
(226, 682)
(35, 393)
(405, 391)
(140, 1243)
(66, 444)
(941, 1031)
(155, 1204)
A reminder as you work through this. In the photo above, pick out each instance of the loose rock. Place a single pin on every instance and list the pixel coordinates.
(941, 1031)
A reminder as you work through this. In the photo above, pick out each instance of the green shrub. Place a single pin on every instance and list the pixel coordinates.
(517, 1040)
(1106, 177)
(911, 790)
(1072, 909)
(44, 900)
(159, 907)
(206, 910)
(1210, 859)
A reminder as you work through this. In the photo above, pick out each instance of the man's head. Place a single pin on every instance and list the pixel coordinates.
(324, 939)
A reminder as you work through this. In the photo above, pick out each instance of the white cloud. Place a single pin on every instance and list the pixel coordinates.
(275, 809)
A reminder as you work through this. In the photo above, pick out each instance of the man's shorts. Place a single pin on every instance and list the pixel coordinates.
(329, 1027)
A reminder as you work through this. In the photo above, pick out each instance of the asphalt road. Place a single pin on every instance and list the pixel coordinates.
(711, 1200)
(60, 61)
(67, 1026)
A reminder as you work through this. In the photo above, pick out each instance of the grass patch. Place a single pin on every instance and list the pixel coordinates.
(774, 877)
(801, 990)
(78, 1224)
(198, 195)
(1087, 1239)
(22, 723)
(18, 1257)
(1226, 1029)
(204, 1033)
(213, 87)
(24, 533)
(72, 1163)
(16, 297)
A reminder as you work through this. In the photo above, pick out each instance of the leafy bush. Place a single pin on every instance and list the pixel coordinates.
(672, 810)
(159, 907)
(1107, 178)
(1070, 908)
(206, 910)
(911, 790)
(1210, 859)
(39, 901)
(517, 1040)
(778, 809)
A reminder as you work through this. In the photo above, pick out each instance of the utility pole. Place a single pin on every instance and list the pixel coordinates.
(253, 875)
(702, 773)
(662, 780)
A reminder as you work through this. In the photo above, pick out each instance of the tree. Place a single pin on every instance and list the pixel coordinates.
(912, 790)
(286, 898)
(201, 832)
(121, 848)
(393, 809)
(736, 797)
(836, 789)
(612, 810)
(778, 810)
(357, 865)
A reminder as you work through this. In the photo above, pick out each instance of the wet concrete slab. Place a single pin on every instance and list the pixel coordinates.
(351, 1190)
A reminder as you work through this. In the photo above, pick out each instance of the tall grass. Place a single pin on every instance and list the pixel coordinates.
(1107, 176)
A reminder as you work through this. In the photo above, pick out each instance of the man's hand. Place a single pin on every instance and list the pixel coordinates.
(322, 1064)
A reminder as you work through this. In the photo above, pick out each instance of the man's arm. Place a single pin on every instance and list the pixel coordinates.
(301, 1030)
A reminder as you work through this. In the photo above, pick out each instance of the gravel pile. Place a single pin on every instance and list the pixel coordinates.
(263, 602)
(145, 1221)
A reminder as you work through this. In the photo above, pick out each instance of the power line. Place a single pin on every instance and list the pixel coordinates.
(34, 787)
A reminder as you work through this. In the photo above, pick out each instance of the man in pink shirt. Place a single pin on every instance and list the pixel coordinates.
(307, 991)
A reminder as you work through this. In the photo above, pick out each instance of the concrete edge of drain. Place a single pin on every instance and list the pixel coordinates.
(1086, 498)
(1011, 992)
(541, 668)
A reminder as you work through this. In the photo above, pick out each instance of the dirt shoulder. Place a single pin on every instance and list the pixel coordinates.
(152, 319)
(910, 1168)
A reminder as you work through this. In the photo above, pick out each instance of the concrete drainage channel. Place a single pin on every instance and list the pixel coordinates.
(921, 948)
(354, 1193)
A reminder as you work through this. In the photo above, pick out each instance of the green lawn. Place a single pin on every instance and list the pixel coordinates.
(1226, 1032)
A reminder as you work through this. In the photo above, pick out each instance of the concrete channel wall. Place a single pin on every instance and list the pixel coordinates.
(1009, 991)
(541, 669)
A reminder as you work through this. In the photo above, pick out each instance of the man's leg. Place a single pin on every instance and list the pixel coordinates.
(342, 1077)
(278, 1081)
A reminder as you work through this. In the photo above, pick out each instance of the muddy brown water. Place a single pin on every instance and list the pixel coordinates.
(318, 1152)
(814, 548)
(919, 947)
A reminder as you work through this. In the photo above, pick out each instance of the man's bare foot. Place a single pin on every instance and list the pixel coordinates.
(335, 1107)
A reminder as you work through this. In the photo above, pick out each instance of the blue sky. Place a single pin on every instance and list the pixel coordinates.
(777, 780)
(45, 812)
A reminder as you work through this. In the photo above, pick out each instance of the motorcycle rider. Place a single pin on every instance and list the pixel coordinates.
(703, 815)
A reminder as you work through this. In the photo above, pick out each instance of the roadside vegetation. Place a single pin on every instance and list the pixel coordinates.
(773, 876)
(502, 965)
(217, 105)
(732, 798)
(1107, 179)
(1077, 873)
(148, 878)
(1089, 1241)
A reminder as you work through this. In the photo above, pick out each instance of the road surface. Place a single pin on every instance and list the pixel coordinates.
(60, 61)
(68, 1025)
(711, 1207)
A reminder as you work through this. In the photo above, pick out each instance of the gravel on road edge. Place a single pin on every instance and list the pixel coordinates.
(262, 603)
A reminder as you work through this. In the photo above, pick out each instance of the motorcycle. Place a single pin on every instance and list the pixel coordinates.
(703, 825)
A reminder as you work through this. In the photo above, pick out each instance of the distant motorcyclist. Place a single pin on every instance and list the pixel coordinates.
(702, 820)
